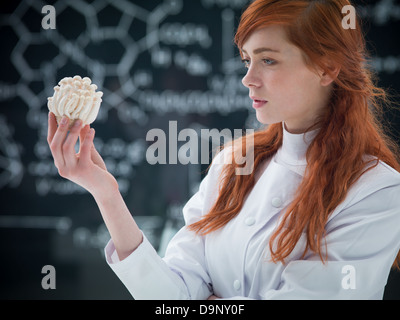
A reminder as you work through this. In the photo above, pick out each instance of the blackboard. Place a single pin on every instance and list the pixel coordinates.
(158, 63)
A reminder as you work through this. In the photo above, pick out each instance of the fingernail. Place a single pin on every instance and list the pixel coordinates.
(78, 123)
(64, 120)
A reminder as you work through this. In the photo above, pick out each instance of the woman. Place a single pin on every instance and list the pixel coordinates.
(318, 217)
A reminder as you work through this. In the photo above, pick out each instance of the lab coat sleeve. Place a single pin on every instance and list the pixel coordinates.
(182, 273)
(362, 240)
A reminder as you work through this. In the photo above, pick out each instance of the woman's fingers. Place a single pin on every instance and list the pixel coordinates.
(57, 141)
(83, 133)
(62, 146)
(86, 146)
(69, 144)
(90, 151)
(97, 159)
(52, 127)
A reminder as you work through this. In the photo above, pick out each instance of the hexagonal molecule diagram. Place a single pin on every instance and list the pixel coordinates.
(145, 60)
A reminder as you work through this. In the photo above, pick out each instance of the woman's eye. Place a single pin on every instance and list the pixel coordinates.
(246, 63)
(269, 61)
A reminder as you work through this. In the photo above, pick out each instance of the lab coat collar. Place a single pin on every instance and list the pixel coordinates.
(293, 151)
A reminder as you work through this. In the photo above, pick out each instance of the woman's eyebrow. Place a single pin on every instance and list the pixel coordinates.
(260, 50)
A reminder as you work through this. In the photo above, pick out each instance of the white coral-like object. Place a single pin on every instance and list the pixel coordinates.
(75, 98)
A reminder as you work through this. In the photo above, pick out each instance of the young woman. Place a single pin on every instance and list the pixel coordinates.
(319, 216)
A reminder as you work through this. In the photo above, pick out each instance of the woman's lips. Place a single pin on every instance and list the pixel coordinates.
(258, 103)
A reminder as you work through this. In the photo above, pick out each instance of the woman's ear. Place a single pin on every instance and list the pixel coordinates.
(329, 74)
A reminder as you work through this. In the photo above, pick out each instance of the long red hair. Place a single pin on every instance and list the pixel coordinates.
(350, 128)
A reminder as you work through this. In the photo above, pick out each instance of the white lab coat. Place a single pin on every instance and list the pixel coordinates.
(362, 236)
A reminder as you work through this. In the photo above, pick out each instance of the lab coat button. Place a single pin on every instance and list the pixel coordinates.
(276, 202)
(250, 221)
(236, 284)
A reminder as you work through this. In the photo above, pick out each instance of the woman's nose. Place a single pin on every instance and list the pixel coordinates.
(251, 79)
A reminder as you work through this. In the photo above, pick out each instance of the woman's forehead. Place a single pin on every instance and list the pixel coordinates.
(271, 39)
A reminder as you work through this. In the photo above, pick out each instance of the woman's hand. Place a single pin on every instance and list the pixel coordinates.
(86, 168)
(212, 297)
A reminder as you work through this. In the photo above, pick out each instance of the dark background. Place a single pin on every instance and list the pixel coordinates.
(155, 61)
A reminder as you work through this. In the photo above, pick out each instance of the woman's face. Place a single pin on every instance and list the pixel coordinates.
(280, 84)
